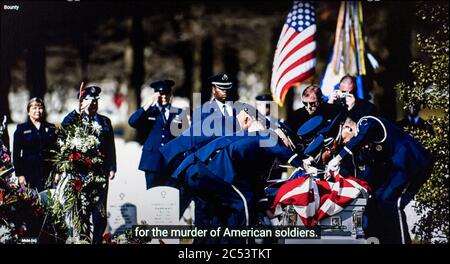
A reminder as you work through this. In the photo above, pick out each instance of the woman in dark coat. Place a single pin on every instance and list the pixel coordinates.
(33, 142)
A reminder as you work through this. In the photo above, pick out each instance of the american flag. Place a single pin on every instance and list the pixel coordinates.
(295, 55)
(314, 200)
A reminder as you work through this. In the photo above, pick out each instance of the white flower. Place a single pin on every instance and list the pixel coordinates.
(5, 234)
(60, 142)
(84, 149)
(92, 141)
(73, 240)
(76, 143)
(96, 127)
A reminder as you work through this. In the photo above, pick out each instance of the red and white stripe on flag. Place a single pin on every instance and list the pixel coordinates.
(314, 200)
(295, 54)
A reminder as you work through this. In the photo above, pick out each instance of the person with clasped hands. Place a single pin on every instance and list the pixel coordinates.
(33, 142)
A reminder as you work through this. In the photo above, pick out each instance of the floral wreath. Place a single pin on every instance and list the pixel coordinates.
(83, 180)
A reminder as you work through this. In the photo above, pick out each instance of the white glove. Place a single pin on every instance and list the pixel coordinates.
(312, 171)
(307, 162)
(83, 106)
(333, 165)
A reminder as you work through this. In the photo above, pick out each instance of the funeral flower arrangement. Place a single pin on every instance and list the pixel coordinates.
(6, 167)
(82, 178)
(19, 206)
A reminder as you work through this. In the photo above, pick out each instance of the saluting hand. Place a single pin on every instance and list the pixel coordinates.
(84, 105)
(153, 100)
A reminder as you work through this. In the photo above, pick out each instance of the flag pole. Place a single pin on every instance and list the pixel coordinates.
(79, 97)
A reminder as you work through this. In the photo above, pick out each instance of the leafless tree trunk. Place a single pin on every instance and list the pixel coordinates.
(207, 62)
(399, 39)
(137, 73)
(36, 74)
(5, 83)
(231, 65)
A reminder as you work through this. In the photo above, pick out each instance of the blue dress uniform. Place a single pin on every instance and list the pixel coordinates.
(159, 134)
(215, 109)
(187, 143)
(106, 138)
(395, 165)
(32, 152)
(227, 175)
(264, 103)
(107, 148)
(323, 135)
(211, 114)
(300, 116)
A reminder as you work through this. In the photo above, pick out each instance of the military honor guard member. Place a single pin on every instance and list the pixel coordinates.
(187, 143)
(88, 108)
(228, 173)
(161, 122)
(393, 163)
(221, 105)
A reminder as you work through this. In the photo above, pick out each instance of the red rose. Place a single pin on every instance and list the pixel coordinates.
(78, 184)
(22, 230)
(6, 157)
(107, 238)
(75, 157)
(88, 162)
(39, 211)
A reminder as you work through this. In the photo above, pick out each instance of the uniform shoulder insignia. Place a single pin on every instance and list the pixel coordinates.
(363, 121)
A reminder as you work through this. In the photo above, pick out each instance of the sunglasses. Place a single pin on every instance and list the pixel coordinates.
(315, 103)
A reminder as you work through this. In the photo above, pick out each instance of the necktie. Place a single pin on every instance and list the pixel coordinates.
(225, 112)
(163, 111)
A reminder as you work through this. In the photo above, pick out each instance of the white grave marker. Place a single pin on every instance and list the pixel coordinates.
(163, 209)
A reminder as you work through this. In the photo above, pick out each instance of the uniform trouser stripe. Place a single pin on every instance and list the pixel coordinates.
(399, 211)
(244, 201)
